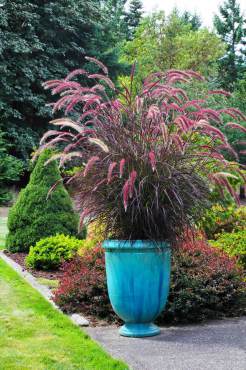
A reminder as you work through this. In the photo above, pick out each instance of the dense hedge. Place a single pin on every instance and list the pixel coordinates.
(49, 253)
(34, 216)
(205, 283)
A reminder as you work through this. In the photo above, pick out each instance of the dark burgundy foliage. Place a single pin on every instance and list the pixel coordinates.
(83, 286)
(205, 283)
(148, 160)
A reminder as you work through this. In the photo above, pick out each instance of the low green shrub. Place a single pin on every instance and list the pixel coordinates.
(205, 283)
(234, 244)
(49, 253)
(219, 219)
(5, 196)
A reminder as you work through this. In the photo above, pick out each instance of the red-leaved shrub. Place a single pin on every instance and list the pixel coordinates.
(205, 283)
(83, 287)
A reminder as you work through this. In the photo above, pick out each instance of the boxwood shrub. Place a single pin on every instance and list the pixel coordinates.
(49, 253)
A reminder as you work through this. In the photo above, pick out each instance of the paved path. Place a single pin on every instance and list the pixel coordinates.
(218, 345)
(4, 211)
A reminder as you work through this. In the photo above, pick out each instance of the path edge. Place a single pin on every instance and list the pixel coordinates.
(46, 293)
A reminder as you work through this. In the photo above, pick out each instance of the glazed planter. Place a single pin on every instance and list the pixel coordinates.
(138, 276)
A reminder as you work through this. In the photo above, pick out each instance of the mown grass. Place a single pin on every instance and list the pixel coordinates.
(33, 335)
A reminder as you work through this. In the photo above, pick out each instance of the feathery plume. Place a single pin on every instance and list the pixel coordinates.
(99, 143)
(152, 160)
(98, 63)
(110, 171)
(122, 165)
(90, 164)
(126, 190)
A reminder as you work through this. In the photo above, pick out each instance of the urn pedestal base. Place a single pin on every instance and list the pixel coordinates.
(139, 330)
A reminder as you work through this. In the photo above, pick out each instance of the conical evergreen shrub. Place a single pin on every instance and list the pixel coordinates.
(34, 216)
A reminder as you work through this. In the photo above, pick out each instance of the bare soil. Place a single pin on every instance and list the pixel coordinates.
(20, 259)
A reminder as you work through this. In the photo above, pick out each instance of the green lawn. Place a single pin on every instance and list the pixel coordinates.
(33, 335)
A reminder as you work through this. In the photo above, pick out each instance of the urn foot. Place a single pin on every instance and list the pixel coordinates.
(139, 330)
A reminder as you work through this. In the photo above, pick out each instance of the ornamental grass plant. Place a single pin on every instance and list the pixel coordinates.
(148, 160)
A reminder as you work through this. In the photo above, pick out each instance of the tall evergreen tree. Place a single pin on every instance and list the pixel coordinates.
(41, 40)
(231, 26)
(193, 19)
(113, 12)
(10, 171)
(133, 16)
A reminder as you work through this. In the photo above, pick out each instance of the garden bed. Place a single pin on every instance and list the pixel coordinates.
(19, 258)
(196, 294)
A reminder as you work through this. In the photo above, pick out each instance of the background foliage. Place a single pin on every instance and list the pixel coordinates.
(164, 42)
(40, 40)
(231, 27)
(10, 170)
(223, 218)
(234, 244)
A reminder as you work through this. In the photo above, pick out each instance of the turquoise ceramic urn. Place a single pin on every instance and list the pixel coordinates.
(138, 276)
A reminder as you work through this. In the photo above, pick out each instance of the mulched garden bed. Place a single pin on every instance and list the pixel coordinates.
(20, 259)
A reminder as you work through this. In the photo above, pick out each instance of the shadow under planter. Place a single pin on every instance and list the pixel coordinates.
(138, 279)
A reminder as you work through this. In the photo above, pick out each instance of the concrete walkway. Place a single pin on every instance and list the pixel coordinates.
(218, 345)
(4, 211)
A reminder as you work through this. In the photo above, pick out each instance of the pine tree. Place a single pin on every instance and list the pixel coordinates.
(34, 215)
(10, 170)
(41, 40)
(231, 26)
(114, 20)
(133, 17)
(193, 19)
